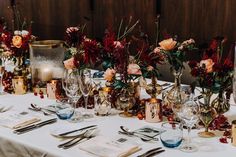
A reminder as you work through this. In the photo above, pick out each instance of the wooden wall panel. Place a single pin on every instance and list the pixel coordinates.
(200, 19)
(108, 13)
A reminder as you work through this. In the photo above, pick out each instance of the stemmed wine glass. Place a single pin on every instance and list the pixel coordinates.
(86, 86)
(71, 86)
(189, 114)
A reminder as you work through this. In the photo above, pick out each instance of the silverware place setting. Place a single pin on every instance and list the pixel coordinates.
(34, 126)
(73, 133)
(143, 137)
(152, 152)
(86, 135)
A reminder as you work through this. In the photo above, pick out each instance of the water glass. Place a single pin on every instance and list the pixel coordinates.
(173, 134)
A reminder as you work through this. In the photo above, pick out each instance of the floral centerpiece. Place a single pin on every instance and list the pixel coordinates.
(213, 74)
(176, 55)
(14, 44)
(82, 51)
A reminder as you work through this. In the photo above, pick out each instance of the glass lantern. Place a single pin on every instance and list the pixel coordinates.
(46, 59)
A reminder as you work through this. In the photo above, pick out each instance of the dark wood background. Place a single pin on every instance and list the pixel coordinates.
(199, 19)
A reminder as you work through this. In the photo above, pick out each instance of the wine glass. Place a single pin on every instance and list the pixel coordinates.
(86, 86)
(72, 90)
(189, 114)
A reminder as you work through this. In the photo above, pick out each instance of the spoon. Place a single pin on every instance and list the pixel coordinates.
(144, 139)
(128, 131)
(38, 108)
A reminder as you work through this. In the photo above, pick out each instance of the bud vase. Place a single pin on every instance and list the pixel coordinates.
(207, 113)
(174, 97)
(220, 103)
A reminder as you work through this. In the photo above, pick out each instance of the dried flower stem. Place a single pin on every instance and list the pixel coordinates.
(157, 29)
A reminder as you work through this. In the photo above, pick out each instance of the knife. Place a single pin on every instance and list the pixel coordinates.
(152, 152)
(69, 132)
(34, 126)
(149, 151)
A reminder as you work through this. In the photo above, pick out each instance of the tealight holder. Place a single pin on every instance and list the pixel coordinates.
(153, 113)
(102, 102)
(19, 85)
(53, 89)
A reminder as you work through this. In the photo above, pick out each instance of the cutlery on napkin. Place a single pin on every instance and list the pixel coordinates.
(152, 152)
(76, 130)
(34, 126)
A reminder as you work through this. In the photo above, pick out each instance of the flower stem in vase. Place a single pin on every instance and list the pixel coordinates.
(175, 97)
(207, 115)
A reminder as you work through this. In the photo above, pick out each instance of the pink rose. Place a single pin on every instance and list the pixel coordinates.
(208, 64)
(167, 44)
(134, 69)
(109, 74)
(69, 63)
(150, 68)
(118, 44)
(71, 29)
(157, 50)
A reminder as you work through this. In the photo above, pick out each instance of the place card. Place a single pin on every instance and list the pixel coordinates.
(102, 146)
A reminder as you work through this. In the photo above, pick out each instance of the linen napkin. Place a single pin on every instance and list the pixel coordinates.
(15, 119)
(105, 147)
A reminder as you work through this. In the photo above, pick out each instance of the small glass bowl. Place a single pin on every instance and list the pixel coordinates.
(65, 112)
(173, 135)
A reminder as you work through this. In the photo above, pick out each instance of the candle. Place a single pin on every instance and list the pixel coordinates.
(45, 74)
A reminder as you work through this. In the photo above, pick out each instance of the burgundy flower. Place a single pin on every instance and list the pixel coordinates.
(192, 64)
(91, 50)
(195, 72)
(108, 42)
(73, 36)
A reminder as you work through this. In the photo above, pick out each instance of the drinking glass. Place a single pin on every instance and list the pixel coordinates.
(189, 113)
(72, 90)
(172, 135)
(86, 86)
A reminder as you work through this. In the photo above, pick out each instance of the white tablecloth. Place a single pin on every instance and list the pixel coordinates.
(39, 142)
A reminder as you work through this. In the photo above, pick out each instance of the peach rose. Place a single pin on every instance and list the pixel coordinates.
(167, 44)
(134, 69)
(109, 74)
(208, 63)
(118, 44)
(69, 63)
(17, 41)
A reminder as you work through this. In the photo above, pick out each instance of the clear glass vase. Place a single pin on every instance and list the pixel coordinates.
(207, 113)
(220, 103)
(175, 96)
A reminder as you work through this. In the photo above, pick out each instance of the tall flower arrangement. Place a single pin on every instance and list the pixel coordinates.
(15, 42)
(82, 51)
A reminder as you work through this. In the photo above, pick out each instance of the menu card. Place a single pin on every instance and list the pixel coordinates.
(14, 119)
(104, 147)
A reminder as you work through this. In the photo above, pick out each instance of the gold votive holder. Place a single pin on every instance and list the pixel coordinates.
(153, 113)
(19, 85)
(102, 102)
